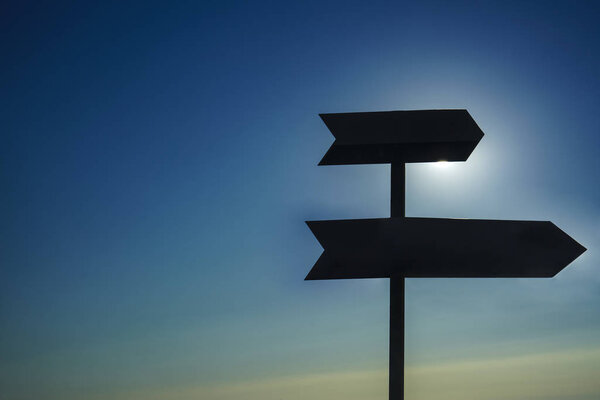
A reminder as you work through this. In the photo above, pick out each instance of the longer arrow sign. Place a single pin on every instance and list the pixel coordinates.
(431, 247)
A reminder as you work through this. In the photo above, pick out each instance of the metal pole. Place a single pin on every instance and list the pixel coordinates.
(398, 189)
(396, 369)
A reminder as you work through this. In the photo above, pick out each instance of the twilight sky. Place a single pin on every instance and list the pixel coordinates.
(158, 160)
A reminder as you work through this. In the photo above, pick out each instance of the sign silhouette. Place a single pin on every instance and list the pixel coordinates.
(400, 136)
(400, 247)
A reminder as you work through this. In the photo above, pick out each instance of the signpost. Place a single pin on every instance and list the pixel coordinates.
(400, 247)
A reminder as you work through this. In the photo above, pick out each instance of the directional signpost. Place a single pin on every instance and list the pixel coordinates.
(400, 247)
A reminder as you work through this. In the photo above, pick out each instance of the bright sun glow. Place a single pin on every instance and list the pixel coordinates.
(441, 164)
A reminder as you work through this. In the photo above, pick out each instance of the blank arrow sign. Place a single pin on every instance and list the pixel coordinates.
(441, 248)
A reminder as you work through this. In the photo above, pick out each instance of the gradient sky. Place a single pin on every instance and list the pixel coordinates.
(158, 160)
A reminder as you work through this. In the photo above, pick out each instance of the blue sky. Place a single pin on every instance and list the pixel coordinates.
(158, 160)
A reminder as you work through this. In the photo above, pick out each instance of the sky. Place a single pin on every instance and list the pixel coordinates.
(158, 161)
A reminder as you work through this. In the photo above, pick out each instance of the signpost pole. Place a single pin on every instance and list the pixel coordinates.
(398, 188)
(396, 350)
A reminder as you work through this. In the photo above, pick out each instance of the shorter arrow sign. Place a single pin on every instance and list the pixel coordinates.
(400, 136)
(441, 248)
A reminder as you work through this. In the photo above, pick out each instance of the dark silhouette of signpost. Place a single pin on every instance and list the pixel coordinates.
(399, 247)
